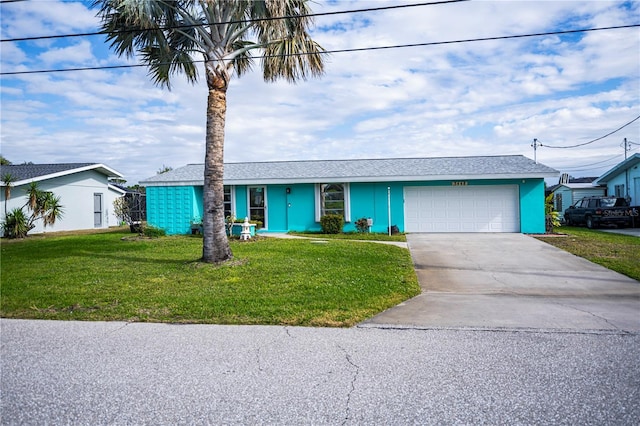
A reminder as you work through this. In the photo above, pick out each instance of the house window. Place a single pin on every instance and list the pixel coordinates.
(332, 198)
(559, 202)
(228, 201)
(619, 190)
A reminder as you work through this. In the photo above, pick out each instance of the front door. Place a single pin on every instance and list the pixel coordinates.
(258, 205)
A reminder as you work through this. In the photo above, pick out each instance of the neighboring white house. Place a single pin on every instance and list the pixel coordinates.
(84, 191)
(624, 180)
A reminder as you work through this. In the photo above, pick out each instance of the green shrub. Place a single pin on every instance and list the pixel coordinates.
(153, 232)
(16, 224)
(332, 223)
(362, 225)
(552, 217)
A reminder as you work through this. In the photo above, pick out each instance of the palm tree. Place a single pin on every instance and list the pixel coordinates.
(7, 182)
(43, 205)
(168, 33)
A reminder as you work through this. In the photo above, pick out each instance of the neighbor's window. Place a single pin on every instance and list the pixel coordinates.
(559, 202)
(332, 198)
(619, 190)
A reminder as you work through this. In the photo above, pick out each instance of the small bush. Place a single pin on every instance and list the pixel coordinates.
(16, 224)
(362, 225)
(332, 223)
(153, 232)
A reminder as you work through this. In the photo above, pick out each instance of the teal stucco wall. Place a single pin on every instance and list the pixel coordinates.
(532, 215)
(292, 207)
(172, 207)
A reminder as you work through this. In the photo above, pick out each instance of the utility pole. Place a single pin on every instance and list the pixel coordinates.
(627, 147)
(535, 146)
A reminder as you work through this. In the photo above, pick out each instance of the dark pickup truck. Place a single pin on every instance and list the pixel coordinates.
(596, 211)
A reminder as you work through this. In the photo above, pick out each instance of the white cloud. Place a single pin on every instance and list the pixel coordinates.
(53, 17)
(75, 54)
(479, 98)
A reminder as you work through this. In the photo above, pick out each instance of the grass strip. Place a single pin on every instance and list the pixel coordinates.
(620, 253)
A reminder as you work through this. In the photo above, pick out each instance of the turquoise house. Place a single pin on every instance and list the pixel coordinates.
(623, 180)
(451, 194)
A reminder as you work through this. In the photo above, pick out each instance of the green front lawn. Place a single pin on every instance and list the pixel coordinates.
(270, 281)
(617, 252)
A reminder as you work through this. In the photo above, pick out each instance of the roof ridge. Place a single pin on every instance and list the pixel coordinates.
(369, 159)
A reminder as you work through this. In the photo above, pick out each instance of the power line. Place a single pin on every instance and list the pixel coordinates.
(400, 46)
(274, 18)
(594, 140)
(581, 167)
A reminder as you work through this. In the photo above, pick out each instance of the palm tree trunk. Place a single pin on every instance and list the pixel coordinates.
(215, 247)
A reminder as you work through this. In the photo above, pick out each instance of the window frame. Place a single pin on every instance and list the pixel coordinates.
(346, 188)
(232, 200)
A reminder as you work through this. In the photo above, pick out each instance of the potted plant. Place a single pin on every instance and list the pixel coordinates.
(196, 225)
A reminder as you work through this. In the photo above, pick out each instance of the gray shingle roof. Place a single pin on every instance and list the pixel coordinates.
(34, 172)
(376, 170)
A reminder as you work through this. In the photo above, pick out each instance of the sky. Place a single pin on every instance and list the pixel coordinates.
(457, 99)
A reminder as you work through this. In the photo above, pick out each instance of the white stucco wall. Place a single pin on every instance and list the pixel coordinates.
(76, 192)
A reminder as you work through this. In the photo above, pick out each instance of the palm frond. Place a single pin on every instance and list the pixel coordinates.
(242, 60)
(156, 29)
(168, 33)
(289, 51)
(52, 209)
(33, 195)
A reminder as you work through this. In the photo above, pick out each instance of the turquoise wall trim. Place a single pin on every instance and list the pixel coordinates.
(172, 208)
(198, 198)
(532, 210)
(241, 202)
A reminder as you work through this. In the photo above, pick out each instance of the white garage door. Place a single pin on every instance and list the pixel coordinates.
(462, 208)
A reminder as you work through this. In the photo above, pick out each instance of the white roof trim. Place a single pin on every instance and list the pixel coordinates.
(105, 170)
(619, 168)
(181, 183)
(116, 189)
(359, 179)
(384, 179)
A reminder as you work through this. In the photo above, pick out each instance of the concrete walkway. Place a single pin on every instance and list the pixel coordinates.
(319, 239)
(511, 281)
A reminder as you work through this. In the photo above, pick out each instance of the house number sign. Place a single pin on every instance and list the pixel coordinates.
(459, 183)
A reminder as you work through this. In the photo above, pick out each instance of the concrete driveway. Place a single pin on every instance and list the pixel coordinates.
(635, 232)
(511, 281)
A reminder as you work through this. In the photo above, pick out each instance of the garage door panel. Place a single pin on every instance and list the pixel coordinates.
(462, 209)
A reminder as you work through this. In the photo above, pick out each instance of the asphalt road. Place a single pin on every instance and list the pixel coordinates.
(88, 373)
